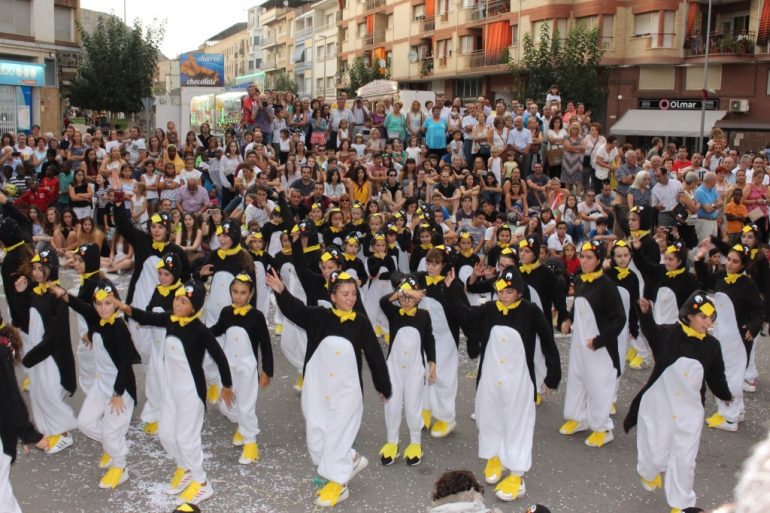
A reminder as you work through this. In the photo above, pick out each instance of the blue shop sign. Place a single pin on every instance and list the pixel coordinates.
(22, 73)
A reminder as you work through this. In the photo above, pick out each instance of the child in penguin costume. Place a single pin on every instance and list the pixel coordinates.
(50, 359)
(263, 262)
(222, 266)
(740, 313)
(412, 346)
(484, 276)
(162, 300)
(280, 221)
(669, 411)
(14, 422)
(403, 240)
(245, 335)
(465, 262)
(148, 246)
(423, 244)
(311, 246)
(332, 399)
(379, 267)
(506, 391)
(351, 264)
(184, 387)
(502, 241)
(109, 403)
(18, 254)
(594, 362)
(86, 259)
(358, 226)
(333, 233)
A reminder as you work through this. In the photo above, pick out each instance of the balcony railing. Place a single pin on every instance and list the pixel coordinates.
(378, 38)
(428, 24)
(374, 4)
(367, 40)
(480, 59)
(484, 10)
(723, 43)
(302, 33)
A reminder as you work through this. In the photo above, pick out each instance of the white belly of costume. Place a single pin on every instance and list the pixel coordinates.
(293, 337)
(154, 373)
(465, 272)
(262, 290)
(440, 397)
(143, 291)
(733, 353)
(178, 378)
(373, 291)
(84, 354)
(219, 296)
(665, 309)
(539, 360)
(105, 371)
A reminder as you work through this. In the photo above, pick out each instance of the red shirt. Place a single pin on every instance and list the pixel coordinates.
(41, 198)
(248, 106)
(51, 184)
(680, 164)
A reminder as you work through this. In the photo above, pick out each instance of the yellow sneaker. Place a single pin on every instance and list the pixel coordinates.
(278, 329)
(510, 488)
(413, 454)
(613, 410)
(388, 453)
(332, 494)
(105, 460)
(196, 492)
(631, 354)
(426, 418)
(250, 454)
(572, 426)
(386, 338)
(237, 439)
(538, 399)
(717, 421)
(494, 470)
(151, 428)
(638, 363)
(599, 438)
(179, 481)
(212, 394)
(25, 384)
(113, 477)
(653, 485)
(442, 429)
(676, 510)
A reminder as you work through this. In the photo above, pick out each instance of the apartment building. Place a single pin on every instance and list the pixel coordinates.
(326, 18)
(278, 44)
(39, 53)
(233, 43)
(302, 52)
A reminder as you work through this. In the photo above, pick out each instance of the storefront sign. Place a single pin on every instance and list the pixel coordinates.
(201, 69)
(676, 104)
(22, 73)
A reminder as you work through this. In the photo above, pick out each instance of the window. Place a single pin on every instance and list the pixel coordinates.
(329, 20)
(467, 44)
(442, 6)
(444, 48)
(468, 88)
(344, 34)
(362, 30)
(330, 83)
(514, 35)
(319, 84)
(605, 24)
(421, 51)
(16, 17)
(62, 21)
(419, 12)
(319, 53)
(390, 22)
(330, 50)
(561, 26)
(644, 23)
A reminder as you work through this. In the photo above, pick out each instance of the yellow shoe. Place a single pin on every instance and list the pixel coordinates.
(105, 460)
(638, 363)
(212, 394)
(196, 493)
(718, 421)
(113, 477)
(653, 485)
(613, 410)
(571, 427)
(299, 383)
(237, 439)
(179, 481)
(25, 384)
(599, 438)
(538, 399)
(494, 470)
(426, 419)
(510, 488)
(151, 428)
(442, 429)
(278, 329)
(676, 510)
(332, 494)
(250, 453)
(631, 354)
(388, 453)
(413, 454)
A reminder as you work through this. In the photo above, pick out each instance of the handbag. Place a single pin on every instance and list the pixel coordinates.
(318, 138)
(756, 214)
(680, 213)
(554, 156)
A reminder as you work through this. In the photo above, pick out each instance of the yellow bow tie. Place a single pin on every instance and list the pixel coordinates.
(392, 245)
(503, 245)
(528, 268)
(381, 256)
(349, 258)
(111, 320)
(311, 248)
(467, 254)
(731, 278)
(674, 273)
(410, 313)
(258, 253)
(159, 246)
(42, 288)
(426, 246)
(505, 309)
(638, 234)
(434, 280)
(165, 291)
(224, 253)
(623, 272)
(344, 316)
(754, 253)
(590, 277)
(8, 249)
(286, 251)
(184, 321)
(241, 310)
(691, 332)
(84, 277)
(334, 229)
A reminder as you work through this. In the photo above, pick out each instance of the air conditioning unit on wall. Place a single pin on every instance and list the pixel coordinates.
(739, 105)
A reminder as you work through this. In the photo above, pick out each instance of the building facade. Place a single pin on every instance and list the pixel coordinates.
(233, 43)
(326, 15)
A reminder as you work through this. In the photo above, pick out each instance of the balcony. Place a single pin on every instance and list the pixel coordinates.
(729, 44)
(268, 41)
(480, 59)
(378, 38)
(374, 4)
(268, 64)
(484, 10)
(367, 40)
(303, 33)
(428, 24)
(339, 15)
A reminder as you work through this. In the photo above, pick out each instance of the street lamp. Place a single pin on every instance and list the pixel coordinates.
(705, 92)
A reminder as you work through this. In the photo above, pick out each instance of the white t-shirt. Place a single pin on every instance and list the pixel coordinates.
(593, 211)
(555, 244)
(606, 157)
(150, 180)
(134, 147)
(260, 215)
(185, 175)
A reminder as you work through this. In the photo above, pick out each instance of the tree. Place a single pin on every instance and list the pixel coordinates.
(284, 82)
(360, 73)
(574, 64)
(118, 66)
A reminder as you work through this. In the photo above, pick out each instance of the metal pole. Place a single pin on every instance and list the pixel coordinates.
(326, 58)
(705, 80)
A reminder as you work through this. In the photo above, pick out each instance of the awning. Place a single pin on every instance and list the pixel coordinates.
(299, 54)
(666, 123)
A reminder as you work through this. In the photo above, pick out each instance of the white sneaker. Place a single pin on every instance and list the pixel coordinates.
(359, 465)
(204, 492)
(61, 442)
(184, 480)
(750, 387)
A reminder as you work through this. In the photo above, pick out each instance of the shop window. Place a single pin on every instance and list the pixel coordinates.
(468, 88)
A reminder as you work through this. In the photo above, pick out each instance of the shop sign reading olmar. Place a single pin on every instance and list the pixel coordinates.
(677, 104)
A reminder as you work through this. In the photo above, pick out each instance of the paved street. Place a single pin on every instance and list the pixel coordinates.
(566, 475)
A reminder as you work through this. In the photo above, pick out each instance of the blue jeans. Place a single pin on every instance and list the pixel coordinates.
(575, 231)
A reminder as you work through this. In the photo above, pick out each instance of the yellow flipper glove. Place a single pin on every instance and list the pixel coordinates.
(151, 428)
(713, 421)
(413, 451)
(250, 453)
(509, 486)
(388, 453)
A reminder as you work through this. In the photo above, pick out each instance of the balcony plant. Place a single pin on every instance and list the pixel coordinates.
(426, 68)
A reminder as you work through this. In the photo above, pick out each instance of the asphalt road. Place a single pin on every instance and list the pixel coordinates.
(566, 475)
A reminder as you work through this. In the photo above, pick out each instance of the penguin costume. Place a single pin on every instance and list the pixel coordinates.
(184, 387)
(379, 267)
(162, 300)
(311, 246)
(90, 254)
(106, 411)
(486, 285)
(279, 223)
(669, 409)
(351, 264)
(739, 320)
(494, 252)
(50, 360)
(14, 422)
(422, 245)
(148, 249)
(465, 261)
(263, 262)
(332, 400)
(333, 234)
(403, 240)
(222, 265)
(412, 347)
(245, 334)
(594, 362)
(505, 333)
(313, 284)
